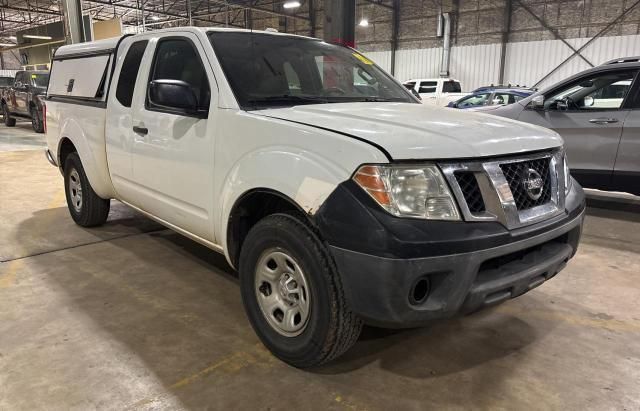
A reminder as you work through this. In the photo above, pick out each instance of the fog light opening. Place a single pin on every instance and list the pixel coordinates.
(420, 291)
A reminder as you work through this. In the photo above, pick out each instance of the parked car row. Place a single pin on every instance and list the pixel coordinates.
(23, 98)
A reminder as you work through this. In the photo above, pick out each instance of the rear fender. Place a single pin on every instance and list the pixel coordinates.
(91, 149)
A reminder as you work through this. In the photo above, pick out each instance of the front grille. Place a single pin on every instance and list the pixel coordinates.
(518, 173)
(470, 190)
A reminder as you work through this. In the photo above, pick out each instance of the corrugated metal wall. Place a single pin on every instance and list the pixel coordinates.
(525, 64)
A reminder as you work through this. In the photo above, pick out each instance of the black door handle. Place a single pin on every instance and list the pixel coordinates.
(603, 120)
(140, 130)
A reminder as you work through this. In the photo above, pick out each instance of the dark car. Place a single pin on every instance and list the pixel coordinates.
(489, 96)
(24, 98)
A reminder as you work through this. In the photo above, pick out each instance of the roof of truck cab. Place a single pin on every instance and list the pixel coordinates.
(98, 46)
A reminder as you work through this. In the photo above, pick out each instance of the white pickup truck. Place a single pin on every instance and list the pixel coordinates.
(436, 91)
(338, 197)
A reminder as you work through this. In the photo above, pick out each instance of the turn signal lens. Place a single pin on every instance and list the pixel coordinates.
(369, 178)
(409, 191)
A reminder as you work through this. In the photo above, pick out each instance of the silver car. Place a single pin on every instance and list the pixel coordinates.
(597, 112)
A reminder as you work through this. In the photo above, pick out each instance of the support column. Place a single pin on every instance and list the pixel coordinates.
(340, 22)
(73, 23)
(394, 34)
(506, 29)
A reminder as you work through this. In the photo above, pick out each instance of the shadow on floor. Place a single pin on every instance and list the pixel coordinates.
(176, 306)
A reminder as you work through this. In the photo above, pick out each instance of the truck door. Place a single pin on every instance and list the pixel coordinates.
(173, 148)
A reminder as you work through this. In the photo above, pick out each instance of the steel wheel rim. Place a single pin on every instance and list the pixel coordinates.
(75, 190)
(282, 292)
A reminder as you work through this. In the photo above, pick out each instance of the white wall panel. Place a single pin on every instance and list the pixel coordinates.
(381, 58)
(526, 63)
(475, 66)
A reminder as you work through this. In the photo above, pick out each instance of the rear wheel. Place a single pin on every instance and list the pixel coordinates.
(36, 121)
(85, 207)
(292, 293)
(6, 117)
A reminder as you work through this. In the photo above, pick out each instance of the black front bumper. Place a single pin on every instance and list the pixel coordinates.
(465, 266)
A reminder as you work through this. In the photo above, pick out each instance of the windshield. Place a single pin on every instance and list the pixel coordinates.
(267, 70)
(40, 80)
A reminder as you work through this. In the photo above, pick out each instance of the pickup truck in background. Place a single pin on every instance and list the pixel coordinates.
(436, 91)
(25, 99)
(338, 197)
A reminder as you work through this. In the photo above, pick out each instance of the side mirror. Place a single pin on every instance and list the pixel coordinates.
(588, 101)
(537, 102)
(176, 95)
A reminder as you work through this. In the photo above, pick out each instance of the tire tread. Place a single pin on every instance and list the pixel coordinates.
(95, 209)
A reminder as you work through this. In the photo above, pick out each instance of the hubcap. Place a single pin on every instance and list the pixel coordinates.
(75, 190)
(282, 292)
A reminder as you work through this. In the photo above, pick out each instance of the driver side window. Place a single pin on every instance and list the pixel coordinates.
(603, 91)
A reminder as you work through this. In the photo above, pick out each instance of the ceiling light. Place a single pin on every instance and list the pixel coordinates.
(13, 38)
(364, 23)
(291, 4)
(33, 36)
(155, 18)
(7, 44)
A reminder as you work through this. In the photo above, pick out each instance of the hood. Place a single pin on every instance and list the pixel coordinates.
(415, 131)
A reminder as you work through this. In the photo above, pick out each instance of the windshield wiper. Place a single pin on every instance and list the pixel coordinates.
(380, 100)
(287, 99)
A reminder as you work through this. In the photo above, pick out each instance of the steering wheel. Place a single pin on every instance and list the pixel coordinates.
(332, 91)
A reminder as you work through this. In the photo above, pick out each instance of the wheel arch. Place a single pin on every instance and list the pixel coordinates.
(249, 208)
(65, 147)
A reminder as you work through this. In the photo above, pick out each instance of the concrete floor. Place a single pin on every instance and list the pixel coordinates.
(134, 316)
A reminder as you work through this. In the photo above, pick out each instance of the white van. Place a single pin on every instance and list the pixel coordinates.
(338, 197)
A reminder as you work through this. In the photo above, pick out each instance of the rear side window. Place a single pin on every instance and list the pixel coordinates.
(451, 87)
(428, 87)
(129, 72)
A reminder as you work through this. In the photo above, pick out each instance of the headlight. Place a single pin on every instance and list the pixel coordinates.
(567, 175)
(409, 191)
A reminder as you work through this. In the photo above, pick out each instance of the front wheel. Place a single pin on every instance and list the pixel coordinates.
(85, 207)
(36, 121)
(292, 293)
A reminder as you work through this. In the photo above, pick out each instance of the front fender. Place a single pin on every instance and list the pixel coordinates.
(300, 175)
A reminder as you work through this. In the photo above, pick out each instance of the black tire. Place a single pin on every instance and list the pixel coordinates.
(331, 328)
(92, 210)
(6, 116)
(36, 121)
